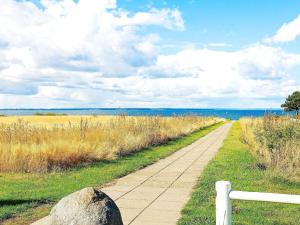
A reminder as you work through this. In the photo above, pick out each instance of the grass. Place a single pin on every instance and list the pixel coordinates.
(21, 191)
(275, 143)
(50, 114)
(26, 146)
(235, 163)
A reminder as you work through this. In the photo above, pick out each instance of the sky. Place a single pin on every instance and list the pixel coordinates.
(148, 53)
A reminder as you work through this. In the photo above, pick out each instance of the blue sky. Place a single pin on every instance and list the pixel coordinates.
(142, 53)
(236, 22)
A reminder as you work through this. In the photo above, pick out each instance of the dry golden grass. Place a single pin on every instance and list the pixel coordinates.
(275, 141)
(45, 143)
(51, 120)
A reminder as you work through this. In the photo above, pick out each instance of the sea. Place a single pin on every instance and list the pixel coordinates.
(233, 114)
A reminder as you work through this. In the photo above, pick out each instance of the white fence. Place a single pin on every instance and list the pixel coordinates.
(225, 194)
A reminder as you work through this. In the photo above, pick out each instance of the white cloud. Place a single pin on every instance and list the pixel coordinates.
(287, 32)
(94, 54)
(168, 18)
(219, 45)
(88, 35)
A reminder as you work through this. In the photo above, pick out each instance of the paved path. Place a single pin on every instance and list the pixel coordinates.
(156, 194)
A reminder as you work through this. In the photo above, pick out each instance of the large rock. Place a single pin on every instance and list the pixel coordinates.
(88, 206)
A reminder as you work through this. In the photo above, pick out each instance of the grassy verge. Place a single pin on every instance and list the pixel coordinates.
(234, 163)
(19, 191)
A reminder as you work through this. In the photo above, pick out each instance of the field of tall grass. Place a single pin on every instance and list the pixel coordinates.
(275, 142)
(43, 144)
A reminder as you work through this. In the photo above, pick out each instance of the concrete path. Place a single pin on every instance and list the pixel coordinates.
(156, 194)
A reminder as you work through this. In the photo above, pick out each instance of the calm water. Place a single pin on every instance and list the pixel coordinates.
(225, 113)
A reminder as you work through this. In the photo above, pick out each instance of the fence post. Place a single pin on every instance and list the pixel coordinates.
(223, 203)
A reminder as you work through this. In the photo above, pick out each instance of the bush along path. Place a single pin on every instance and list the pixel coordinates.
(22, 193)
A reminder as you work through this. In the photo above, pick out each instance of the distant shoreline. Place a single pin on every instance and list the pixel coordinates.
(266, 109)
(233, 114)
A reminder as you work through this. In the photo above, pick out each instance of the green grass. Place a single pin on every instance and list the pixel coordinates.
(49, 114)
(19, 192)
(235, 164)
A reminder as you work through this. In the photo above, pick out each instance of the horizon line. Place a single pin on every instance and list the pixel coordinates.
(138, 108)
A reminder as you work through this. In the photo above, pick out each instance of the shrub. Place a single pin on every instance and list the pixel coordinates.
(275, 141)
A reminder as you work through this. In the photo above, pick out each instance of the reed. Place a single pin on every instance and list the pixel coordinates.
(37, 145)
(275, 141)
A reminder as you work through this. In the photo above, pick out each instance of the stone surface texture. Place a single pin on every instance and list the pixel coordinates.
(88, 206)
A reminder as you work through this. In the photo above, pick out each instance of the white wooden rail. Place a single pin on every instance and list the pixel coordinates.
(225, 194)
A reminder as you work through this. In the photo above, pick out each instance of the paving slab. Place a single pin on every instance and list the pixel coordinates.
(155, 195)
